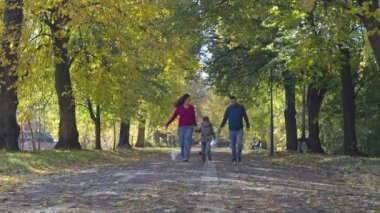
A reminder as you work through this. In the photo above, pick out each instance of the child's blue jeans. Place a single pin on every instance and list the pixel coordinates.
(206, 150)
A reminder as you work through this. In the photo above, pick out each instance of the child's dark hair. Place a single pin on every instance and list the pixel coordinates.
(207, 119)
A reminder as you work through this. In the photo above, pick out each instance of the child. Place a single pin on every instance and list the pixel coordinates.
(207, 134)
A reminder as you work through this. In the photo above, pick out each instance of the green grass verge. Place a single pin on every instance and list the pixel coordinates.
(360, 171)
(44, 160)
(361, 164)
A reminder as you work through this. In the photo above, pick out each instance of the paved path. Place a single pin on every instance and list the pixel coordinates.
(174, 186)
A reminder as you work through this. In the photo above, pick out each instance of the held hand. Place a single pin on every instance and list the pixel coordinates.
(166, 128)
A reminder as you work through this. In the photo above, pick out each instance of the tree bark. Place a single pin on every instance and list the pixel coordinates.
(303, 121)
(114, 134)
(141, 135)
(290, 113)
(98, 144)
(373, 26)
(304, 105)
(348, 104)
(124, 141)
(95, 117)
(9, 128)
(314, 101)
(68, 133)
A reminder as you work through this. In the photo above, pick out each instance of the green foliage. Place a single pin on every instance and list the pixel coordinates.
(245, 39)
(134, 58)
(368, 118)
(127, 57)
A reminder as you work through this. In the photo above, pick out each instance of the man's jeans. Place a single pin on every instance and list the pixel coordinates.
(236, 143)
(185, 134)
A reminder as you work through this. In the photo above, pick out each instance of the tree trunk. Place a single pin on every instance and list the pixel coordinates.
(314, 101)
(303, 121)
(12, 23)
(39, 134)
(124, 142)
(372, 24)
(141, 135)
(303, 125)
(348, 104)
(98, 144)
(114, 134)
(22, 137)
(290, 113)
(95, 117)
(68, 133)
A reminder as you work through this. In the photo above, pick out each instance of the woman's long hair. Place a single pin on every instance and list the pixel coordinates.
(181, 100)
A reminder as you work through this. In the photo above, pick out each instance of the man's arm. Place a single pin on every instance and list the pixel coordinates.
(245, 116)
(225, 117)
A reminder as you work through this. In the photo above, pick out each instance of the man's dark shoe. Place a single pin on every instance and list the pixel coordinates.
(239, 160)
(233, 160)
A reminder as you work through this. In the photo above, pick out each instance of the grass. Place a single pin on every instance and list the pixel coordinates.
(361, 164)
(45, 161)
(17, 167)
(359, 171)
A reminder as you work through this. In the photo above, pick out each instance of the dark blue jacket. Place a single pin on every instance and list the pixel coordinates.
(235, 115)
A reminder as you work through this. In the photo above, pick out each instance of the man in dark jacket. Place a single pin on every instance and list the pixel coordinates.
(235, 113)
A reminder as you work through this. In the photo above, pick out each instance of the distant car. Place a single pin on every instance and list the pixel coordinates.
(258, 144)
(40, 136)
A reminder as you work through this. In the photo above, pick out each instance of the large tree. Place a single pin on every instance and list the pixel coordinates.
(57, 19)
(290, 111)
(12, 17)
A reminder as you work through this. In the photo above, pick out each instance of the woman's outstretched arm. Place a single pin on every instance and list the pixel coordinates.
(174, 116)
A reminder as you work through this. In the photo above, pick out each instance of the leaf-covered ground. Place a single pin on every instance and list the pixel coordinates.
(157, 182)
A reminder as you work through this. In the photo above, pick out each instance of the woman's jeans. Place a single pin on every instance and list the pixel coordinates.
(185, 134)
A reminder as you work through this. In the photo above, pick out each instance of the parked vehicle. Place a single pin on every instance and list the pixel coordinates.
(258, 144)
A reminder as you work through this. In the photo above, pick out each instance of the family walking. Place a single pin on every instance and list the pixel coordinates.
(234, 114)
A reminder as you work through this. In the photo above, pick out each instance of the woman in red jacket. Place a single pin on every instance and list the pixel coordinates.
(186, 124)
